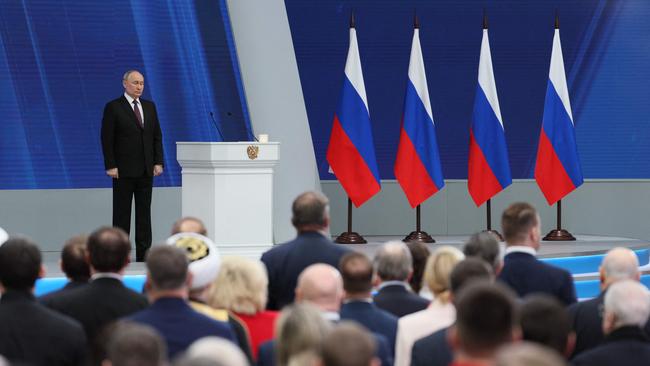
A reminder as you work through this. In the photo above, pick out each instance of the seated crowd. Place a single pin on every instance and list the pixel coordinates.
(310, 302)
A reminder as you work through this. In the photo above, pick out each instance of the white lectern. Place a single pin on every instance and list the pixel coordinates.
(229, 185)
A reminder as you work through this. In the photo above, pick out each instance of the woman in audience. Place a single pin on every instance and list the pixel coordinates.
(419, 254)
(241, 287)
(441, 313)
(300, 332)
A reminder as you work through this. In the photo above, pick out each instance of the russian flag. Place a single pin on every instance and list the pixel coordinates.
(351, 153)
(557, 170)
(417, 166)
(489, 169)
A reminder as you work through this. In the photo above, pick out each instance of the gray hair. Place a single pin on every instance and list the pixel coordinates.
(620, 264)
(629, 302)
(393, 261)
(300, 330)
(128, 73)
(213, 351)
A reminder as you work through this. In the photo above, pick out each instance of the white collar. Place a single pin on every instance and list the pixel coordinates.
(106, 275)
(393, 283)
(331, 316)
(130, 99)
(521, 249)
(367, 299)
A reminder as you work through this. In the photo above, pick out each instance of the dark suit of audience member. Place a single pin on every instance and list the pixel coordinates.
(285, 262)
(31, 334)
(74, 265)
(432, 350)
(398, 300)
(373, 318)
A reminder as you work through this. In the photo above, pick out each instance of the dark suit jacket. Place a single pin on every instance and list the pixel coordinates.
(399, 301)
(627, 346)
(432, 350)
(180, 325)
(100, 302)
(126, 146)
(284, 263)
(526, 274)
(373, 318)
(32, 334)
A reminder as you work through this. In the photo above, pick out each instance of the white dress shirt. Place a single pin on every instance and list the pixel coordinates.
(131, 99)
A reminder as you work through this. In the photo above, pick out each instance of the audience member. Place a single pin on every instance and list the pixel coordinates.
(167, 286)
(544, 320)
(356, 271)
(522, 272)
(131, 344)
(435, 350)
(587, 317)
(212, 351)
(419, 255)
(393, 268)
(440, 313)
(285, 262)
(74, 264)
(527, 354)
(627, 307)
(189, 224)
(240, 287)
(29, 332)
(485, 245)
(349, 345)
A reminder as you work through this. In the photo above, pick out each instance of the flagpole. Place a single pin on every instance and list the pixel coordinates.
(350, 237)
(488, 208)
(559, 234)
(418, 235)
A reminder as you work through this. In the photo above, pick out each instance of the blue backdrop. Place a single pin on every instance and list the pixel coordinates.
(606, 56)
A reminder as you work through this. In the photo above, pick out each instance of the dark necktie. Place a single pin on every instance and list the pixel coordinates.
(136, 110)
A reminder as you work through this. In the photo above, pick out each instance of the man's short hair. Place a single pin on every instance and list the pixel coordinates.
(132, 344)
(544, 320)
(517, 220)
(20, 263)
(469, 271)
(197, 226)
(620, 264)
(109, 249)
(393, 261)
(484, 245)
(348, 345)
(527, 354)
(485, 317)
(310, 208)
(128, 73)
(167, 267)
(629, 302)
(73, 258)
(213, 351)
(356, 271)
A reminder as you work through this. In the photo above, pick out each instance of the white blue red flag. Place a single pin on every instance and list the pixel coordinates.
(488, 167)
(351, 153)
(557, 170)
(417, 166)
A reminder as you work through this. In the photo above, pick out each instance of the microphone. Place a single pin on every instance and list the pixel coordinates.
(214, 121)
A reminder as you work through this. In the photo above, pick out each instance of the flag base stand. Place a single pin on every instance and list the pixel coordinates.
(559, 235)
(350, 237)
(495, 233)
(488, 214)
(419, 236)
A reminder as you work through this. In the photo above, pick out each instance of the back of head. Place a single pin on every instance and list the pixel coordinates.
(419, 254)
(544, 320)
(527, 354)
(321, 285)
(438, 269)
(20, 263)
(310, 211)
(485, 318)
(348, 345)
(240, 286)
(484, 245)
(167, 267)
(213, 351)
(627, 303)
(203, 256)
(517, 220)
(132, 344)
(189, 224)
(356, 271)
(393, 262)
(468, 271)
(108, 249)
(73, 259)
(300, 329)
(620, 264)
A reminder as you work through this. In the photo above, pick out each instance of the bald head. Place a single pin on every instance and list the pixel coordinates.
(321, 285)
(619, 264)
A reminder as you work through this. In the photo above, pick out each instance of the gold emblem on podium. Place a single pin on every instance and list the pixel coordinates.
(253, 151)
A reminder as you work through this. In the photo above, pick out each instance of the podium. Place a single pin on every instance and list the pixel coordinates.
(229, 186)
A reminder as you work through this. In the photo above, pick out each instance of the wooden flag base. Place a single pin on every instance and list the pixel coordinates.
(495, 233)
(419, 236)
(350, 238)
(559, 235)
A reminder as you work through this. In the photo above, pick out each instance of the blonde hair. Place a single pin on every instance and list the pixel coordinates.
(299, 333)
(438, 268)
(240, 286)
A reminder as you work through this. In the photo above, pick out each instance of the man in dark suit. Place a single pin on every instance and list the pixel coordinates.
(133, 155)
(74, 265)
(356, 271)
(285, 262)
(523, 272)
(30, 333)
(627, 307)
(394, 267)
(587, 316)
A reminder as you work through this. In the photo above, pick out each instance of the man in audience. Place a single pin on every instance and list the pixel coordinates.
(394, 267)
(170, 314)
(349, 345)
(356, 271)
(485, 321)
(29, 332)
(434, 350)
(485, 246)
(105, 298)
(627, 307)
(213, 351)
(131, 344)
(189, 224)
(312, 245)
(74, 264)
(522, 272)
(527, 354)
(619, 264)
(544, 320)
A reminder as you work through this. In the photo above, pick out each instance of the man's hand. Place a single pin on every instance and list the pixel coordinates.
(113, 173)
(157, 170)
